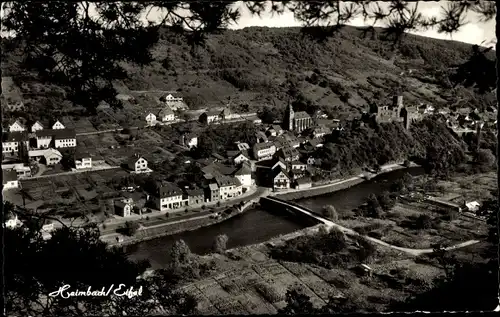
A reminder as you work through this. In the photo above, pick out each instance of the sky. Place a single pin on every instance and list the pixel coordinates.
(475, 32)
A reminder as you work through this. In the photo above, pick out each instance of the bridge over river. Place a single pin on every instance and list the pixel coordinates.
(300, 209)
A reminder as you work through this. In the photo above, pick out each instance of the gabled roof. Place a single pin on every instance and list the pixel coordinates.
(194, 192)
(276, 171)
(132, 160)
(224, 181)
(244, 170)
(276, 128)
(262, 145)
(302, 115)
(165, 112)
(212, 113)
(14, 136)
(8, 176)
(64, 134)
(166, 189)
(213, 186)
(120, 204)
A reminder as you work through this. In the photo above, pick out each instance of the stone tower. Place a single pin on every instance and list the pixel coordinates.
(288, 118)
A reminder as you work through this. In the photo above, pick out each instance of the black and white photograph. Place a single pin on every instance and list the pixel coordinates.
(249, 157)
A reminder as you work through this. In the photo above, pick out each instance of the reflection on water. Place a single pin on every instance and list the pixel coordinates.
(256, 226)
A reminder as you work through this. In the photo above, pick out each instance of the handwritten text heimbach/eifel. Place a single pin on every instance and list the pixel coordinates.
(65, 292)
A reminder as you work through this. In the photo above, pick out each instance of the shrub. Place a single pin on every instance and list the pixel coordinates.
(147, 217)
(406, 163)
(269, 292)
(218, 204)
(323, 230)
(130, 228)
(423, 222)
(220, 243)
(203, 207)
(186, 210)
(330, 212)
(386, 201)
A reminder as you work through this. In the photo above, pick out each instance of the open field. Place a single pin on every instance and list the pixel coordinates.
(248, 280)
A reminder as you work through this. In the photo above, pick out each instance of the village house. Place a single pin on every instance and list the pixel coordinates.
(58, 125)
(150, 118)
(287, 139)
(168, 197)
(229, 187)
(189, 140)
(241, 157)
(297, 165)
(212, 192)
(226, 114)
(280, 178)
(43, 138)
(12, 141)
(17, 126)
(321, 131)
(288, 153)
(303, 183)
(9, 179)
(211, 116)
(315, 143)
(261, 137)
(244, 175)
(195, 196)
(274, 130)
(19, 167)
(64, 138)
(174, 102)
(11, 220)
(264, 151)
(52, 157)
(82, 160)
(166, 115)
(138, 200)
(123, 208)
(37, 126)
(242, 146)
(137, 164)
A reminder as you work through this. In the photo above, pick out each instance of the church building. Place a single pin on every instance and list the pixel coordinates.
(296, 121)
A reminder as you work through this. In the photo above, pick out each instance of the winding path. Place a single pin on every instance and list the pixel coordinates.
(329, 223)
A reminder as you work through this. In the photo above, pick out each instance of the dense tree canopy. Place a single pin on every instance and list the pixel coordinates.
(82, 45)
(35, 267)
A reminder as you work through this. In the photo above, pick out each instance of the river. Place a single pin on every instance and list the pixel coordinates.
(257, 225)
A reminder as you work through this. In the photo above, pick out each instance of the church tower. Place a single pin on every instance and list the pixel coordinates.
(288, 118)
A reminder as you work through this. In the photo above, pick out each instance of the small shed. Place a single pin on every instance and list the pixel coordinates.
(123, 208)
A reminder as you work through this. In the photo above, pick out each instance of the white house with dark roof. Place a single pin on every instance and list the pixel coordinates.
(280, 178)
(17, 126)
(64, 138)
(11, 141)
(123, 208)
(82, 160)
(210, 116)
(137, 164)
(9, 179)
(166, 115)
(52, 157)
(229, 187)
(244, 175)
(37, 126)
(168, 197)
(241, 157)
(58, 125)
(150, 118)
(264, 151)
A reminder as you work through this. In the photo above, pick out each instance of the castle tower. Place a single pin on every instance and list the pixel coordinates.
(288, 118)
(397, 101)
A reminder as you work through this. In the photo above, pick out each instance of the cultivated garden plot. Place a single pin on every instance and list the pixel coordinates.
(259, 285)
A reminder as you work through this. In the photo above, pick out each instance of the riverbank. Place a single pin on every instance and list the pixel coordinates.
(171, 228)
(161, 230)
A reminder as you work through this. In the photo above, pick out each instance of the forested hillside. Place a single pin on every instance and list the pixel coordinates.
(265, 66)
